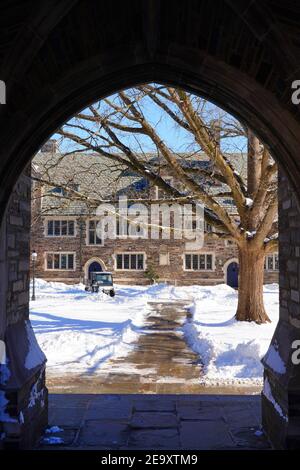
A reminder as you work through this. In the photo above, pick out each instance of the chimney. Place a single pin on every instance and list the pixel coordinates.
(51, 146)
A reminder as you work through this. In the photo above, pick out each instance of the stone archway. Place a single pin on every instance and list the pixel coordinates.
(242, 57)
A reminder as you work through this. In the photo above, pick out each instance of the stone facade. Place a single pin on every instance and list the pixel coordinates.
(173, 272)
(281, 393)
(165, 257)
(23, 395)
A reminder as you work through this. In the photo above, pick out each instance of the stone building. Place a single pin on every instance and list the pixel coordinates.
(68, 248)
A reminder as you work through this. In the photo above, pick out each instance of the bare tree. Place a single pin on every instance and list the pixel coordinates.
(120, 129)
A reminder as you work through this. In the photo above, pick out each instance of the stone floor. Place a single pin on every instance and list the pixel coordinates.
(157, 422)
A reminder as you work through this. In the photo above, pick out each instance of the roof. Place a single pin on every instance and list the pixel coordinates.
(93, 176)
(99, 178)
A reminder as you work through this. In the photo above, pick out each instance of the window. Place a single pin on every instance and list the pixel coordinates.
(125, 228)
(271, 262)
(229, 202)
(196, 224)
(63, 261)
(160, 193)
(121, 227)
(131, 261)
(58, 191)
(60, 228)
(93, 238)
(207, 227)
(198, 262)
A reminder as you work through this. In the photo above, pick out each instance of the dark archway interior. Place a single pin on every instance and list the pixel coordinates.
(58, 58)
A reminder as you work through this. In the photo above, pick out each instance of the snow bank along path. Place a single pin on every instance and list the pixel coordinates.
(80, 331)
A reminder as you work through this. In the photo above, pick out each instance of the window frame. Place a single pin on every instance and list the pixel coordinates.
(129, 253)
(60, 254)
(54, 221)
(167, 179)
(144, 231)
(205, 254)
(95, 234)
(266, 266)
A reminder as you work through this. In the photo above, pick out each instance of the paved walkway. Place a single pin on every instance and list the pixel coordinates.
(159, 422)
(93, 413)
(159, 361)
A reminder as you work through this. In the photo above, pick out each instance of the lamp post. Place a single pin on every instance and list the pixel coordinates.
(33, 257)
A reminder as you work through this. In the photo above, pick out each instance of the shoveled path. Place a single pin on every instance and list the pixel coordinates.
(151, 398)
(158, 361)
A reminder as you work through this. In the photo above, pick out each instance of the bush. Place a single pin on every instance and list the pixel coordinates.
(151, 275)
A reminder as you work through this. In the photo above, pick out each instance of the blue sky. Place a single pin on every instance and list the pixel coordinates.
(175, 137)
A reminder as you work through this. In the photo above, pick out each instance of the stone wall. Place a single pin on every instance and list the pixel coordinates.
(173, 273)
(18, 254)
(281, 394)
(23, 396)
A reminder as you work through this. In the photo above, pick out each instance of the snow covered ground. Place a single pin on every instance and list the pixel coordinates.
(231, 351)
(79, 331)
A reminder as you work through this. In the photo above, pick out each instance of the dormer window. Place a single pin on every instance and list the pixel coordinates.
(57, 191)
(159, 192)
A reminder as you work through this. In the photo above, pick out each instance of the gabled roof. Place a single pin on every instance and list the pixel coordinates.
(101, 178)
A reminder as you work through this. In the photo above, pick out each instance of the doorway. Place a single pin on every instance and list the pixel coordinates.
(232, 274)
(94, 267)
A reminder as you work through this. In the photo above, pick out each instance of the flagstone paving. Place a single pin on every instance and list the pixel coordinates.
(157, 422)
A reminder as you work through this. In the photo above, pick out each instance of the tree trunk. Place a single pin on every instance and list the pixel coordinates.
(253, 164)
(251, 281)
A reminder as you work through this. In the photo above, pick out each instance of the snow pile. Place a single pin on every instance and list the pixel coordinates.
(34, 356)
(231, 351)
(53, 429)
(79, 331)
(53, 440)
(274, 360)
(268, 394)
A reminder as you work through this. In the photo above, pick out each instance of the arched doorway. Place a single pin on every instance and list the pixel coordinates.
(232, 274)
(252, 83)
(94, 267)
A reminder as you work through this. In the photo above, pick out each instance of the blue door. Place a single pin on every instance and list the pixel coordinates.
(233, 275)
(94, 266)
